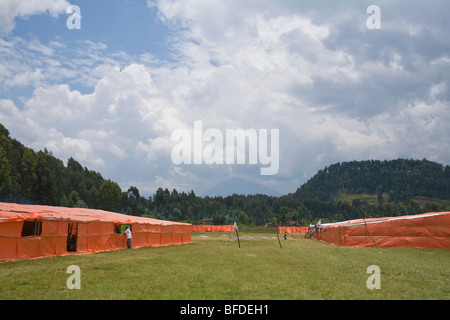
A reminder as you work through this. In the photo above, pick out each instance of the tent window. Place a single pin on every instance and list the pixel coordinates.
(31, 228)
(117, 228)
(125, 226)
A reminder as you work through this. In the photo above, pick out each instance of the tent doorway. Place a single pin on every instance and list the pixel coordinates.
(72, 236)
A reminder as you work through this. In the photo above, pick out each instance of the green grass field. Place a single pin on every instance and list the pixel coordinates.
(212, 267)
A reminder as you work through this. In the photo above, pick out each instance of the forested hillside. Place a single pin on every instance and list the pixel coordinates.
(27, 176)
(33, 177)
(401, 179)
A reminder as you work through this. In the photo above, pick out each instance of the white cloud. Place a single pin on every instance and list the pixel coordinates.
(79, 149)
(244, 64)
(11, 9)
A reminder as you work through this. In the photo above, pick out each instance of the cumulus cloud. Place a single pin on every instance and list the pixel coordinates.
(335, 91)
(11, 9)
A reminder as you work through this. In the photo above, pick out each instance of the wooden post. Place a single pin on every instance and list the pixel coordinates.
(279, 242)
(237, 234)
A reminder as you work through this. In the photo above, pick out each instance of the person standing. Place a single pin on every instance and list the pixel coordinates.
(129, 236)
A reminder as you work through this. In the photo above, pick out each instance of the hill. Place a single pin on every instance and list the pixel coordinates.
(400, 179)
(31, 177)
(239, 186)
(339, 192)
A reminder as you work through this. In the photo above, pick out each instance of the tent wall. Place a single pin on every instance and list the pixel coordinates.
(420, 231)
(156, 236)
(92, 234)
(92, 237)
(213, 228)
(292, 229)
(52, 241)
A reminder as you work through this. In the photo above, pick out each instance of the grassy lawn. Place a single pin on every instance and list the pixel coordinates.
(213, 267)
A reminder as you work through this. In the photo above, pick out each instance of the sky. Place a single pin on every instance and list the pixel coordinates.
(111, 93)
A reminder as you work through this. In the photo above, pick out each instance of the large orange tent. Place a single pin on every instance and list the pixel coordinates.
(34, 231)
(428, 230)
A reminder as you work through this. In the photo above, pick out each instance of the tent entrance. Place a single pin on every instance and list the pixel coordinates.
(72, 237)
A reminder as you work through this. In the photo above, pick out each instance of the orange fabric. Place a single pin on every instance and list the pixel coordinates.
(154, 239)
(292, 229)
(428, 230)
(8, 248)
(166, 239)
(177, 238)
(94, 229)
(11, 229)
(213, 228)
(19, 212)
(29, 248)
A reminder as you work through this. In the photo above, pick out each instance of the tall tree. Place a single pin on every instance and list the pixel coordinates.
(110, 196)
(29, 177)
(5, 174)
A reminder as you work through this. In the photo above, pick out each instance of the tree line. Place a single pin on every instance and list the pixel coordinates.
(264, 209)
(401, 179)
(33, 177)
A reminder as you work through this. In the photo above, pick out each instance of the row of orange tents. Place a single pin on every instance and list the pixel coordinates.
(33, 231)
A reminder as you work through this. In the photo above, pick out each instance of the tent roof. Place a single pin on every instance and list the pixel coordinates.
(19, 212)
(356, 222)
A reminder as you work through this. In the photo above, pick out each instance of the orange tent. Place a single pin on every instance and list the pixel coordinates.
(33, 231)
(292, 229)
(428, 230)
(212, 228)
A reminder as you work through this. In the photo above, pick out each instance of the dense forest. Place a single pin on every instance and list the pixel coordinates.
(33, 177)
(402, 179)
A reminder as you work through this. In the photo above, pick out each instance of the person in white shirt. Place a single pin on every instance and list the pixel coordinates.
(129, 236)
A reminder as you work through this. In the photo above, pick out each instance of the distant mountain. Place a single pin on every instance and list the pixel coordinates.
(402, 179)
(240, 187)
